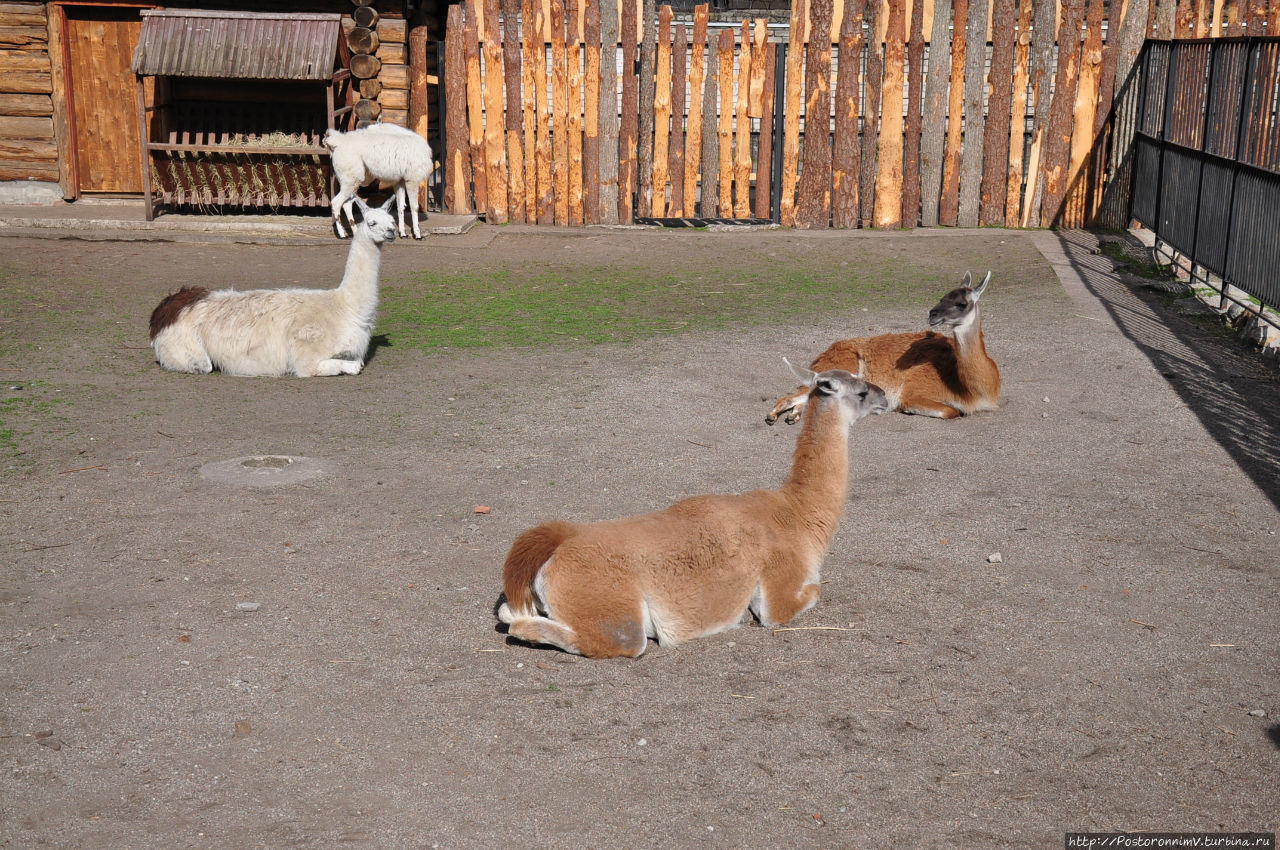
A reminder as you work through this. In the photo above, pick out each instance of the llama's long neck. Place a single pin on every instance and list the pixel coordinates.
(976, 370)
(359, 287)
(819, 480)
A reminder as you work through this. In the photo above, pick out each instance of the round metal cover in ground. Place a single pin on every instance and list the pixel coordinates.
(264, 470)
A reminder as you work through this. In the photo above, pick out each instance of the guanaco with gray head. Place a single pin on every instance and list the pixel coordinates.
(603, 589)
(925, 373)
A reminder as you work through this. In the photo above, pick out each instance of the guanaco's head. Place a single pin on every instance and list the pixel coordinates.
(379, 221)
(959, 306)
(859, 398)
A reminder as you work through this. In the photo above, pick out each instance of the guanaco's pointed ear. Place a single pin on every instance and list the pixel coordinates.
(807, 377)
(968, 279)
(982, 287)
(386, 205)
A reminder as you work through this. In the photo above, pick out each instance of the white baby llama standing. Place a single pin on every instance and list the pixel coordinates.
(697, 567)
(269, 332)
(386, 152)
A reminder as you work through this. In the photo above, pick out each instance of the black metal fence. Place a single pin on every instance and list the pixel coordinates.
(1207, 166)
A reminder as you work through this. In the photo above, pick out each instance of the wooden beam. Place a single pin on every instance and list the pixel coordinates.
(591, 114)
(995, 144)
(1057, 145)
(971, 156)
(911, 143)
(888, 204)
(1044, 30)
(475, 108)
(457, 151)
(725, 178)
(845, 149)
(662, 113)
(742, 138)
(709, 197)
(934, 117)
(644, 142)
(608, 111)
(575, 106)
(559, 113)
(675, 156)
(791, 113)
(697, 79)
(869, 159)
(764, 160)
(495, 123)
(628, 138)
(1018, 115)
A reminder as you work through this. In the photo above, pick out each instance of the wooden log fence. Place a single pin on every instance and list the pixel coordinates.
(869, 113)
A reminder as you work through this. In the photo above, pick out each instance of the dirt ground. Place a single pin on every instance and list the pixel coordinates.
(1116, 668)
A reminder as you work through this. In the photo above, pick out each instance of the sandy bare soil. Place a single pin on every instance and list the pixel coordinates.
(1116, 667)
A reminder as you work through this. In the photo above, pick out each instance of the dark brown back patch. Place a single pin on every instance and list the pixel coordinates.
(166, 313)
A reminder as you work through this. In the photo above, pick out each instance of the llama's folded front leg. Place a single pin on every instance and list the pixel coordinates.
(333, 366)
(790, 407)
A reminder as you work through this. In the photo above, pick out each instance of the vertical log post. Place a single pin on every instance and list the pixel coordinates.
(709, 197)
(974, 119)
(697, 79)
(888, 206)
(457, 151)
(725, 178)
(1018, 115)
(628, 138)
(591, 115)
(995, 144)
(764, 159)
(513, 68)
(911, 145)
(574, 107)
(935, 97)
(1057, 146)
(675, 159)
(845, 150)
(791, 114)
(662, 113)
(475, 107)
(644, 144)
(608, 111)
(742, 123)
(871, 113)
(495, 154)
(559, 113)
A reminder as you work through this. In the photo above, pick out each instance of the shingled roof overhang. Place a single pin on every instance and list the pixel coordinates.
(238, 45)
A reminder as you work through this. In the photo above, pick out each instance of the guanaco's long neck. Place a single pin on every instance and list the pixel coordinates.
(819, 480)
(359, 287)
(974, 367)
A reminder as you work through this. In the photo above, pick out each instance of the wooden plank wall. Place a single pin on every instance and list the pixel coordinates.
(1024, 143)
(28, 146)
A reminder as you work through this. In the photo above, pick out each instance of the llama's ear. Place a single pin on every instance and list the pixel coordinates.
(362, 207)
(807, 377)
(968, 279)
(982, 287)
(386, 205)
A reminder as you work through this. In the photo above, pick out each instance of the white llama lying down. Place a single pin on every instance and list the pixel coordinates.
(697, 567)
(268, 332)
(386, 152)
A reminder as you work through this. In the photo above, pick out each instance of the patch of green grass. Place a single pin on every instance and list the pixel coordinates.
(32, 403)
(575, 305)
(1127, 264)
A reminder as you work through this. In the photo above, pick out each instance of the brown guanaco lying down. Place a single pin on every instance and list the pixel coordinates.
(926, 373)
(696, 568)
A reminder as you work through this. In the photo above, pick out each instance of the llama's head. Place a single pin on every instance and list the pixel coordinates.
(958, 306)
(858, 398)
(378, 222)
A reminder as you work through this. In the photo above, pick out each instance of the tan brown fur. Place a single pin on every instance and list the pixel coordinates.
(924, 372)
(697, 567)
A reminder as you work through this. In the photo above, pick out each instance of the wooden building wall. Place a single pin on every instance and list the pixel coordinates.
(35, 141)
(28, 144)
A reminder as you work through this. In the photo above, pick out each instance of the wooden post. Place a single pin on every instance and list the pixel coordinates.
(742, 146)
(513, 68)
(995, 144)
(974, 92)
(531, 59)
(1128, 43)
(494, 128)
(813, 209)
(457, 151)
(911, 145)
(559, 113)
(1057, 146)
(662, 113)
(888, 205)
(1018, 116)
(608, 111)
(1044, 30)
(644, 145)
(934, 119)
(725, 178)
(675, 161)
(764, 160)
(419, 87)
(475, 108)
(845, 150)
(871, 114)
(791, 114)
(574, 106)
(1082, 135)
(546, 178)
(629, 135)
(709, 198)
(755, 92)
(697, 79)
(591, 116)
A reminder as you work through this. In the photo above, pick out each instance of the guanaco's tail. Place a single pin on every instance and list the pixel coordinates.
(528, 553)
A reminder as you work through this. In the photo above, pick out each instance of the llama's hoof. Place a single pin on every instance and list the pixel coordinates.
(770, 419)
